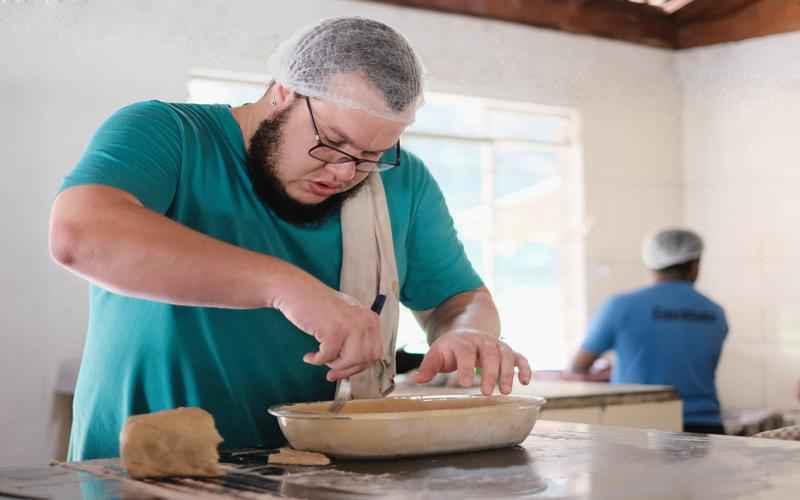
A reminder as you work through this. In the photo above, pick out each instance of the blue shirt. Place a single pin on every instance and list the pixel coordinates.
(187, 162)
(670, 334)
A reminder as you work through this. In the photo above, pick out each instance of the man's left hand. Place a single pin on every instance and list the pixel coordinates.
(465, 350)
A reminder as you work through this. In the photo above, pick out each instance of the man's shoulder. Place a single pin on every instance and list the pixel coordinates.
(190, 107)
(632, 296)
(633, 299)
(412, 170)
(708, 301)
(176, 111)
(410, 181)
(617, 304)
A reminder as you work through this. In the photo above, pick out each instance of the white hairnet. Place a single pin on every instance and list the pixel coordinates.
(307, 62)
(671, 247)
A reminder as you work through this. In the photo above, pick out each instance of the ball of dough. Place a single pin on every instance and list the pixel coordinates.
(180, 442)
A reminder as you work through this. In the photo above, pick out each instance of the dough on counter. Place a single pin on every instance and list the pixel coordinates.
(180, 442)
(290, 456)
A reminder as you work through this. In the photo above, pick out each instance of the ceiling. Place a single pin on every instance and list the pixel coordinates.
(668, 6)
(674, 24)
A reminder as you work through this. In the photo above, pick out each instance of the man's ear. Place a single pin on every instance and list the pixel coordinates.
(282, 97)
(696, 269)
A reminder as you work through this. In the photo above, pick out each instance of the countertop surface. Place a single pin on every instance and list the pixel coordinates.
(560, 394)
(558, 460)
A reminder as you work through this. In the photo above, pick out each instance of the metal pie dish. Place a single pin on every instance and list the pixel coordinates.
(409, 425)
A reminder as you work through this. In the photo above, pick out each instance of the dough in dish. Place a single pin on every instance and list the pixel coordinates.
(180, 442)
(289, 456)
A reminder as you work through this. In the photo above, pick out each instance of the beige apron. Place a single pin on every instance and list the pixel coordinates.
(368, 268)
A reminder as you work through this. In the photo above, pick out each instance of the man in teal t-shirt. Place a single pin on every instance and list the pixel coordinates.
(213, 243)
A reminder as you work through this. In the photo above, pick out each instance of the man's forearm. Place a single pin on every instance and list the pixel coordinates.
(118, 244)
(469, 311)
(583, 361)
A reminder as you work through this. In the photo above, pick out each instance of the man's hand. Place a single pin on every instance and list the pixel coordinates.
(348, 332)
(464, 350)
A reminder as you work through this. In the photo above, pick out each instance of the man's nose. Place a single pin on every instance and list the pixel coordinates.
(344, 172)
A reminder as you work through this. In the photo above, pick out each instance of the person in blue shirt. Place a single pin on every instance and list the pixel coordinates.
(214, 241)
(667, 333)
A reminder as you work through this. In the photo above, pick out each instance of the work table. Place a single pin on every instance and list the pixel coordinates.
(560, 394)
(558, 460)
(626, 405)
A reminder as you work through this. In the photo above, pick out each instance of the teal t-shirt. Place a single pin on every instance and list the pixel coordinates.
(187, 161)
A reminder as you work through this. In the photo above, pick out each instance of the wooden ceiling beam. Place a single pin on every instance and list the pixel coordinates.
(702, 11)
(697, 23)
(707, 22)
(614, 19)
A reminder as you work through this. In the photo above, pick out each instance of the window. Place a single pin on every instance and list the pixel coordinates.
(512, 178)
(511, 175)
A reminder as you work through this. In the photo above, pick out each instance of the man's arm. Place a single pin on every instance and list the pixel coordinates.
(583, 361)
(469, 310)
(599, 339)
(464, 334)
(107, 236)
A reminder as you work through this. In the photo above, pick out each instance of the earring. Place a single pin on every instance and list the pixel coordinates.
(274, 102)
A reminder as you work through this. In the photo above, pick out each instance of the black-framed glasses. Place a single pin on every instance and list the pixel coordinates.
(332, 154)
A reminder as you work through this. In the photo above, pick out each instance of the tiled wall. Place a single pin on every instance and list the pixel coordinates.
(741, 156)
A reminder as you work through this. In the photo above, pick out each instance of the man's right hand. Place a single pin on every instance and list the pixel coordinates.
(348, 332)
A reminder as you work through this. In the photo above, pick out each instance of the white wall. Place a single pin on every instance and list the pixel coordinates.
(67, 65)
(742, 170)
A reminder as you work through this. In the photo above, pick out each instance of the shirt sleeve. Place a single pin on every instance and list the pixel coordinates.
(602, 329)
(438, 267)
(138, 150)
(725, 326)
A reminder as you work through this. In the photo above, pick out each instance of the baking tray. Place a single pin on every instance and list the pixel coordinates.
(409, 425)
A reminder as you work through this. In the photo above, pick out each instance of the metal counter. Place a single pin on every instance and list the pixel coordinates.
(558, 460)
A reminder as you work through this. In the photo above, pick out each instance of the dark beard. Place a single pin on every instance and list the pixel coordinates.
(262, 156)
